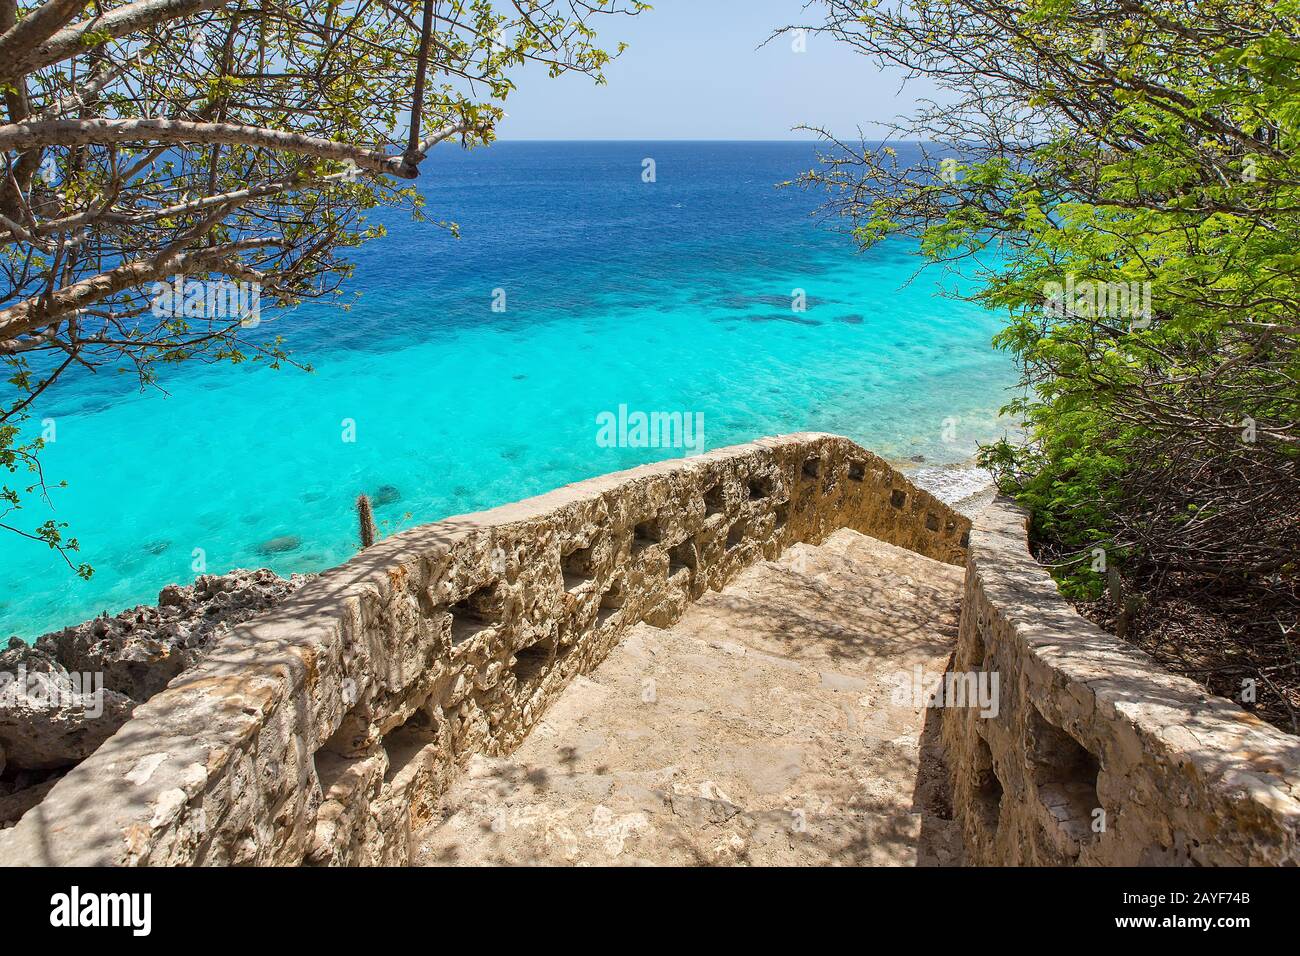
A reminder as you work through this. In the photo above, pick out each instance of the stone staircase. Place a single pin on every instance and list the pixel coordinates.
(715, 660)
(774, 723)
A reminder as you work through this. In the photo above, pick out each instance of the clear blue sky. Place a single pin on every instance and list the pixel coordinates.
(692, 71)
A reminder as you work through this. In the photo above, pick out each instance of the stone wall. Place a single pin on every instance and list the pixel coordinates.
(324, 731)
(1090, 730)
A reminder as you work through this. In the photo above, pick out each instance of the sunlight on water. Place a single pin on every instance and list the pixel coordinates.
(672, 296)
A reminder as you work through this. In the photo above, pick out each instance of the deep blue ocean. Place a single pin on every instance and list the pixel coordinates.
(674, 295)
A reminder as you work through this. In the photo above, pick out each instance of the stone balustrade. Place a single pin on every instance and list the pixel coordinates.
(1097, 755)
(324, 731)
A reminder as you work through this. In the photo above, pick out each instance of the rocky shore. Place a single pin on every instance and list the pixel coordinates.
(964, 486)
(63, 696)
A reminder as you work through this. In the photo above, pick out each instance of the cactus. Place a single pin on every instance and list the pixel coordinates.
(366, 521)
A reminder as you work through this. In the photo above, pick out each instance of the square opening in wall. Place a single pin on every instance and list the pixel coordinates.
(1065, 774)
(987, 791)
(532, 662)
(577, 565)
(406, 743)
(472, 615)
(646, 535)
(761, 487)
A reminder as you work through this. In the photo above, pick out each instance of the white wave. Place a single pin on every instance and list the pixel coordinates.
(951, 483)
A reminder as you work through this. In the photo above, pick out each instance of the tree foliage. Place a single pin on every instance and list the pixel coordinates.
(1123, 174)
(245, 139)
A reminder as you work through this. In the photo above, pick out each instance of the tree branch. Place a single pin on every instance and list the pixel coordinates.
(96, 131)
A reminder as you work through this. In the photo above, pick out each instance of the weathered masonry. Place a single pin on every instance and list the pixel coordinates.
(324, 732)
(1099, 756)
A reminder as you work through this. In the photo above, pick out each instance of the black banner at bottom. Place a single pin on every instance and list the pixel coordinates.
(150, 906)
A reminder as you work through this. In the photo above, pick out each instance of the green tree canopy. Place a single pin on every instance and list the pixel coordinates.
(1123, 174)
(224, 138)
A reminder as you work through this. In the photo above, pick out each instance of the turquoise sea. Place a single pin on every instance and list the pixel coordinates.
(666, 296)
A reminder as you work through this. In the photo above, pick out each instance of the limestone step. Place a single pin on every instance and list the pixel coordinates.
(765, 727)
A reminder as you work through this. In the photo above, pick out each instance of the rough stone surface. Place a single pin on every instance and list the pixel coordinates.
(335, 728)
(763, 728)
(325, 730)
(51, 722)
(140, 650)
(1098, 756)
(62, 697)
